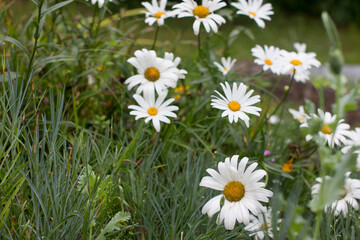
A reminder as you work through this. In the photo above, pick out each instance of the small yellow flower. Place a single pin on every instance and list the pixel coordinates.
(288, 166)
(101, 67)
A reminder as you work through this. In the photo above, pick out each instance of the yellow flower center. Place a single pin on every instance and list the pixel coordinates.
(152, 111)
(295, 62)
(234, 191)
(201, 11)
(234, 106)
(252, 13)
(225, 69)
(302, 119)
(152, 74)
(326, 129)
(268, 62)
(159, 14)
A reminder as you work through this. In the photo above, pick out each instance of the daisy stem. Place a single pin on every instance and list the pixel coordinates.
(155, 38)
(317, 225)
(199, 44)
(285, 95)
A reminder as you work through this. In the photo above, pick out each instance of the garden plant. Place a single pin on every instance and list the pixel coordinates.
(137, 123)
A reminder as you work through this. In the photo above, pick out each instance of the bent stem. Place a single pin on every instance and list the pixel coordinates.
(155, 38)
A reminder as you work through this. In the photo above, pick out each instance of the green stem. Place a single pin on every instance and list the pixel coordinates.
(338, 95)
(321, 97)
(285, 95)
(156, 36)
(37, 36)
(317, 225)
(199, 44)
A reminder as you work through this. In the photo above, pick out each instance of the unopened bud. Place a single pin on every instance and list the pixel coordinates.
(336, 61)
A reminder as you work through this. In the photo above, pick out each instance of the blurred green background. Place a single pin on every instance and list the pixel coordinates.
(293, 21)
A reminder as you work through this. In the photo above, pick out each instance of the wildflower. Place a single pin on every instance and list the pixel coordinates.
(261, 224)
(288, 166)
(100, 2)
(155, 110)
(241, 190)
(300, 115)
(180, 91)
(203, 13)
(267, 152)
(156, 12)
(255, 10)
(227, 64)
(353, 141)
(236, 102)
(153, 72)
(274, 119)
(181, 72)
(333, 132)
(351, 192)
(299, 61)
(268, 57)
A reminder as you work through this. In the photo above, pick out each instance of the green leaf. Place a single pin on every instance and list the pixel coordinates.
(40, 62)
(55, 7)
(16, 43)
(121, 217)
(6, 209)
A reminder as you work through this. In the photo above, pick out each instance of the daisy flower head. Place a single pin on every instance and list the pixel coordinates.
(156, 110)
(203, 14)
(156, 12)
(351, 192)
(333, 132)
(301, 62)
(181, 72)
(260, 224)
(267, 57)
(236, 103)
(227, 64)
(241, 189)
(255, 10)
(300, 115)
(153, 72)
(353, 141)
(99, 2)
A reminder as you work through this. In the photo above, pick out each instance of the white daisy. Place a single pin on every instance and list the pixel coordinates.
(301, 75)
(300, 115)
(333, 132)
(236, 102)
(203, 13)
(300, 61)
(241, 190)
(153, 72)
(181, 72)
(227, 64)
(268, 57)
(261, 224)
(351, 192)
(156, 12)
(100, 2)
(155, 110)
(353, 141)
(255, 10)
